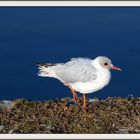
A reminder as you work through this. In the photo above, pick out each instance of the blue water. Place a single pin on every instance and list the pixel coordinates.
(56, 34)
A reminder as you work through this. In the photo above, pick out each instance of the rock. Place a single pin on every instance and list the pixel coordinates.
(64, 116)
(137, 131)
(1, 127)
(123, 131)
(6, 104)
(93, 100)
(11, 131)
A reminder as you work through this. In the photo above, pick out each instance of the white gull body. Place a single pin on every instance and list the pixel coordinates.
(83, 74)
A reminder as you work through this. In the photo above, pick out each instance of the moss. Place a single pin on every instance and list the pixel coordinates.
(64, 116)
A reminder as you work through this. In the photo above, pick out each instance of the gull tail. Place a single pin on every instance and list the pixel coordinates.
(46, 70)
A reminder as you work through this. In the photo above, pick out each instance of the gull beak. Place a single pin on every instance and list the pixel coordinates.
(115, 68)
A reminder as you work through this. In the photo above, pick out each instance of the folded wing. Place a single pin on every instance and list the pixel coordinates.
(76, 70)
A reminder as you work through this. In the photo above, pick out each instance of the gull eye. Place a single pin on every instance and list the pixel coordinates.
(105, 64)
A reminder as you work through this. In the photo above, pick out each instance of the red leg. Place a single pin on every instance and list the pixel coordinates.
(84, 102)
(75, 96)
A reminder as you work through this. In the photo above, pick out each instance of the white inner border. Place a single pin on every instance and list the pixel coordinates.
(69, 3)
(70, 136)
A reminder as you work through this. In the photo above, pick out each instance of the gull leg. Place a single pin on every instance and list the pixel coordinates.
(84, 102)
(75, 96)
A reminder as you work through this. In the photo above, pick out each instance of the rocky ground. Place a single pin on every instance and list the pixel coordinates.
(112, 115)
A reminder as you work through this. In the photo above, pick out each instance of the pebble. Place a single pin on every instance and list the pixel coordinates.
(94, 100)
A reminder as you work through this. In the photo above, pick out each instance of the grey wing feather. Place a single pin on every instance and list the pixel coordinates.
(76, 70)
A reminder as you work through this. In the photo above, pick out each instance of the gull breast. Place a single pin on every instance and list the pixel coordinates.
(103, 78)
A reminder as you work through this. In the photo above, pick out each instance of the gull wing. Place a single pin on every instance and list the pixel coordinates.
(76, 70)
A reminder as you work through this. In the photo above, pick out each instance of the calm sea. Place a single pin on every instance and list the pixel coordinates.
(56, 34)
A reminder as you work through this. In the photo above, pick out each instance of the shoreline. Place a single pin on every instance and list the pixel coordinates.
(113, 115)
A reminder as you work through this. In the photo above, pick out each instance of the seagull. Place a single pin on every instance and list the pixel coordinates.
(81, 75)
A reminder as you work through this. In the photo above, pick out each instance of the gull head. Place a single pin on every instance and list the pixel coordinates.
(105, 62)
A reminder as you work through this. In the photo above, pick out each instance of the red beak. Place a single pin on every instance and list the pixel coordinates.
(115, 68)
